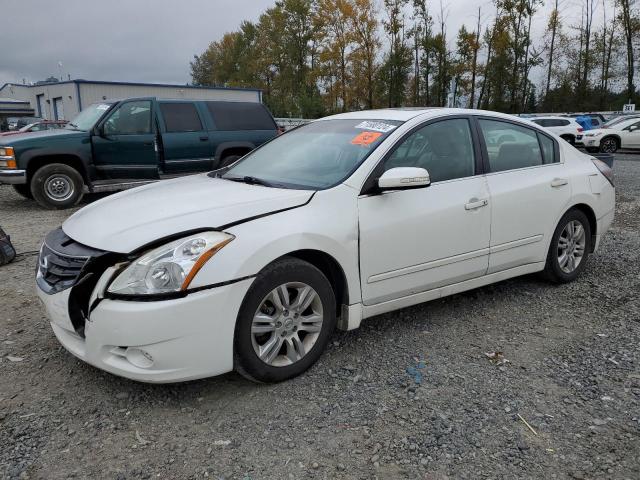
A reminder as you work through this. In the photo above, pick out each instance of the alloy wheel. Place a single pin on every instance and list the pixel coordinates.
(287, 324)
(571, 246)
(609, 145)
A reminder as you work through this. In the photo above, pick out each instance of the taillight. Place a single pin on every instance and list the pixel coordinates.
(580, 129)
(605, 170)
(281, 130)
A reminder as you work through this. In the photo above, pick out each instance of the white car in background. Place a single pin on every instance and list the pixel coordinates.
(624, 134)
(566, 128)
(252, 267)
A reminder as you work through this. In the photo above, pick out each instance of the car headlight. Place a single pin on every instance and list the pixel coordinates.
(7, 157)
(593, 134)
(171, 267)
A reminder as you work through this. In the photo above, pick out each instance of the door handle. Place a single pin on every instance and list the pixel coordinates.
(474, 204)
(204, 138)
(559, 182)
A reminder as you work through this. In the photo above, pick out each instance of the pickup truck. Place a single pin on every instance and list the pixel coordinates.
(115, 145)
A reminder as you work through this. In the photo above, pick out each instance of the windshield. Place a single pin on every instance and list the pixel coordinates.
(315, 156)
(88, 117)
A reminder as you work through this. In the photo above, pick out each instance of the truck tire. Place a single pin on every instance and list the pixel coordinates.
(23, 191)
(57, 186)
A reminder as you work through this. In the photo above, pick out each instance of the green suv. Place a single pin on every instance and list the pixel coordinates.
(116, 145)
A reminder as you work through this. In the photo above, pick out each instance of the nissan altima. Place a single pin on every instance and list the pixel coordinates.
(253, 267)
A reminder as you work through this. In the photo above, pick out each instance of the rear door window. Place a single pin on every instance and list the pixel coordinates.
(510, 146)
(181, 117)
(240, 116)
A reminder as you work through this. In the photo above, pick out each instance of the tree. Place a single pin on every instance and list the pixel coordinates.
(630, 19)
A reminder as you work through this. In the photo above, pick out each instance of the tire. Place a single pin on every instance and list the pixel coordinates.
(57, 186)
(283, 328)
(557, 272)
(229, 160)
(609, 145)
(23, 191)
(569, 139)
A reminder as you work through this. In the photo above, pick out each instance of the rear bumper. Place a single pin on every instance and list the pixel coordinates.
(13, 177)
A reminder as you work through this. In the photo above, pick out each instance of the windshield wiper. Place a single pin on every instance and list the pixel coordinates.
(76, 126)
(251, 181)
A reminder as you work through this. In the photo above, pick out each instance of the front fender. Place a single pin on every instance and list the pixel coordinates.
(315, 226)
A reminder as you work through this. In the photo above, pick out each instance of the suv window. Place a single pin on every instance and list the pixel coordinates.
(241, 116)
(181, 117)
(510, 146)
(444, 149)
(131, 118)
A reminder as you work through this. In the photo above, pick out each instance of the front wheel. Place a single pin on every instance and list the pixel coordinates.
(608, 145)
(569, 249)
(285, 321)
(57, 186)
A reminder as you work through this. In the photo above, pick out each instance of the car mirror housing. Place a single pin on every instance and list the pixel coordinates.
(402, 178)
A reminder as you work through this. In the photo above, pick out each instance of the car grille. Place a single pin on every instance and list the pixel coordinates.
(59, 271)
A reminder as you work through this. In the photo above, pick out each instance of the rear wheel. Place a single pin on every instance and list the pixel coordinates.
(57, 186)
(569, 249)
(285, 322)
(23, 190)
(608, 145)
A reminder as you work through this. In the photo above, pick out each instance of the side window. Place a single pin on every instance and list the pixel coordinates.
(229, 116)
(542, 122)
(444, 149)
(181, 117)
(563, 123)
(548, 152)
(131, 118)
(510, 146)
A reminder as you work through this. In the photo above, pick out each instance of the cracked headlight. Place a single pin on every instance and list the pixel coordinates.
(171, 267)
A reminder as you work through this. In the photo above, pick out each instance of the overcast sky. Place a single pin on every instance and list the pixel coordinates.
(138, 40)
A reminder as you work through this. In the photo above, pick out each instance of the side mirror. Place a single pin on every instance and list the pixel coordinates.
(402, 178)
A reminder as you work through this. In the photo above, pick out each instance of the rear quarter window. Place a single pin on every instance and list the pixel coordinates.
(240, 116)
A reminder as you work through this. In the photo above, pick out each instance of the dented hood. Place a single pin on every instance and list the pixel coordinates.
(133, 218)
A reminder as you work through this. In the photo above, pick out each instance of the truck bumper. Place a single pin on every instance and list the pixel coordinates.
(13, 177)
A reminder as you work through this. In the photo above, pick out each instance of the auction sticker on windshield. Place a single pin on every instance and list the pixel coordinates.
(102, 106)
(366, 138)
(376, 126)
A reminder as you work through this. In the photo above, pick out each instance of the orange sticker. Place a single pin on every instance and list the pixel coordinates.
(366, 138)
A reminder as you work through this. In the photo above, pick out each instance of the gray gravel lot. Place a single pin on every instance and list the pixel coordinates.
(573, 373)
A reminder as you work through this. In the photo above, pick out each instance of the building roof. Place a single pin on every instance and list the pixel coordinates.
(133, 84)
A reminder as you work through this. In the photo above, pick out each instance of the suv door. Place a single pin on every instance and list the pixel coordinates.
(432, 236)
(185, 142)
(630, 136)
(529, 189)
(125, 146)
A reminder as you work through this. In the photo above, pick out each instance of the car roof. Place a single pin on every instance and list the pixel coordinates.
(405, 114)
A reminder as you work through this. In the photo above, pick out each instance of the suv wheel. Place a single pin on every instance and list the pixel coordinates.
(569, 249)
(285, 321)
(608, 145)
(57, 186)
(23, 190)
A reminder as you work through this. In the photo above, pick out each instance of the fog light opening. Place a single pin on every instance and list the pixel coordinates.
(140, 358)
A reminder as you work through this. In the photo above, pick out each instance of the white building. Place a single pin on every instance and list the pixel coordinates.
(63, 100)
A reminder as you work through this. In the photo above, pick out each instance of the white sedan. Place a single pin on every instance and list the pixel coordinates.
(622, 134)
(253, 267)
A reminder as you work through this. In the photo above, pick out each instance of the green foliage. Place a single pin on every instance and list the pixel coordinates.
(316, 57)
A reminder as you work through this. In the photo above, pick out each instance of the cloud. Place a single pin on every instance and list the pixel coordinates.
(128, 40)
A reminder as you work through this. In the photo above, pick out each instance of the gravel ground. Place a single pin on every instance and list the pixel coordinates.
(409, 395)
